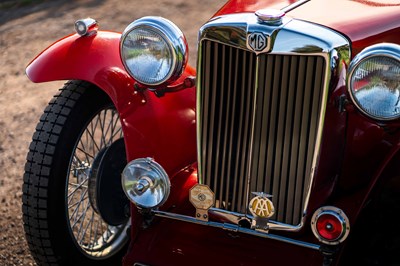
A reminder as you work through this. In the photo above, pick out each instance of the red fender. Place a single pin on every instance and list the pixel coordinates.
(162, 128)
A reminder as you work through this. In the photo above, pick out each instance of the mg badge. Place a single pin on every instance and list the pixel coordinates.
(257, 41)
(261, 206)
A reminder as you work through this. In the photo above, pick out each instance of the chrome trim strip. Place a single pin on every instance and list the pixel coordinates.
(294, 5)
(235, 218)
(293, 37)
(235, 228)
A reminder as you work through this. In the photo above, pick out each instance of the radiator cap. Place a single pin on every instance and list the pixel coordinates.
(270, 16)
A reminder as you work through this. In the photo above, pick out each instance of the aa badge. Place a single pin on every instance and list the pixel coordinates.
(262, 208)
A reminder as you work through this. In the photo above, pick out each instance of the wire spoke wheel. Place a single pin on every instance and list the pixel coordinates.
(74, 209)
(89, 229)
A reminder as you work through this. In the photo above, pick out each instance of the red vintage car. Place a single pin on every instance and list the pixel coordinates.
(281, 148)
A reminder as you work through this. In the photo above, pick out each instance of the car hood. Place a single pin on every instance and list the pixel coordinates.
(364, 22)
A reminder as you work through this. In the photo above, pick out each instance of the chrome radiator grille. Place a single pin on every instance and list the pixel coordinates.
(258, 114)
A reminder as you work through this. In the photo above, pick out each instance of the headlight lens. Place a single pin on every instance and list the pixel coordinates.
(154, 51)
(374, 81)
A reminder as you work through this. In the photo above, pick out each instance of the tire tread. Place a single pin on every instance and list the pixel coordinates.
(38, 167)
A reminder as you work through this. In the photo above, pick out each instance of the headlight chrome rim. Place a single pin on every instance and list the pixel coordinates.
(171, 35)
(385, 50)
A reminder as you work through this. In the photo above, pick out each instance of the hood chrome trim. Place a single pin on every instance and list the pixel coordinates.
(294, 5)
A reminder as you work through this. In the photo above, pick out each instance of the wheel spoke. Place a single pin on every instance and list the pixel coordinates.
(119, 131)
(90, 242)
(79, 203)
(82, 218)
(76, 203)
(80, 185)
(88, 156)
(112, 124)
(102, 137)
(82, 215)
(90, 131)
(95, 233)
(87, 226)
(105, 133)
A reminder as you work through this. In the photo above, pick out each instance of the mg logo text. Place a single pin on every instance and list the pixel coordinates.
(257, 41)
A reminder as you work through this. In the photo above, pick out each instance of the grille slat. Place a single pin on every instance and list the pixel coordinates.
(280, 140)
(227, 150)
(260, 129)
(295, 140)
(287, 140)
(220, 106)
(280, 191)
(231, 135)
(303, 136)
(268, 105)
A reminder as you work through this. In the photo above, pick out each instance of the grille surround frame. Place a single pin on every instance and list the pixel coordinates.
(312, 40)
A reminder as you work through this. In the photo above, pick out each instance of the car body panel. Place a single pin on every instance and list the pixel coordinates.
(364, 22)
(149, 123)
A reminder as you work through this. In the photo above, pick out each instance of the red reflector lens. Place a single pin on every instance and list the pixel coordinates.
(329, 227)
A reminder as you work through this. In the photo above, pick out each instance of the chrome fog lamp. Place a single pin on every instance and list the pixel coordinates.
(145, 183)
(153, 51)
(374, 81)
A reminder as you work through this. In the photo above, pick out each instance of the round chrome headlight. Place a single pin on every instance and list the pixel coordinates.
(145, 183)
(153, 51)
(374, 81)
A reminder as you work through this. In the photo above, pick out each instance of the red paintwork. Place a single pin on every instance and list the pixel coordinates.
(162, 128)
(355, 150)
(240, 6)
(364, 22)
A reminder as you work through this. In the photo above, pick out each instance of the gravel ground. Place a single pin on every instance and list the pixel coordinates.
(26, 28)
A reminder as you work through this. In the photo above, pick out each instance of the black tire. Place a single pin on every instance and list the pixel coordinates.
(50, 213)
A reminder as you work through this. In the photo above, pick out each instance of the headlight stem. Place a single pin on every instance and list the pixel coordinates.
(147, 217)
(188, 82)
(342, 103)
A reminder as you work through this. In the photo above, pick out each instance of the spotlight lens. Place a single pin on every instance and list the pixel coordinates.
(145, 183)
